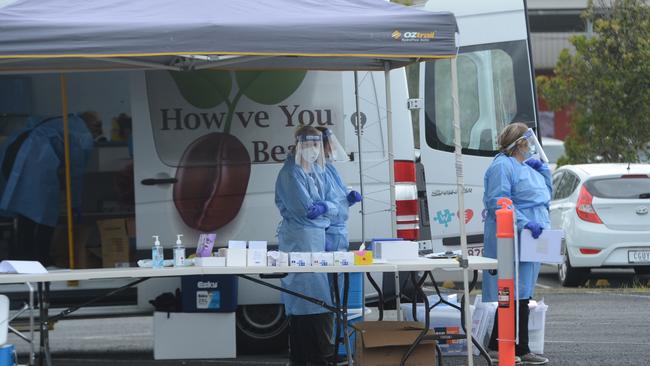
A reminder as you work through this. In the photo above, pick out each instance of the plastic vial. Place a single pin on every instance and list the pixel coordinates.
(157, 256)
(179, 252)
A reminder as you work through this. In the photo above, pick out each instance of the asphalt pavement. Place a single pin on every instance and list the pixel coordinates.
(585, 326)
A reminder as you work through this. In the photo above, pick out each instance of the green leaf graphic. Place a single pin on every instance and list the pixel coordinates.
(269, 87)
(204, 88)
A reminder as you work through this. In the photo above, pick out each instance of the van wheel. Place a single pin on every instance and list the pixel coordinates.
(262, 329)
(571, 276)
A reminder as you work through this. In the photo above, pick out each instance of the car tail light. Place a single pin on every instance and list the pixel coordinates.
(589, 251)
(634, 176)
(584, 209)
(406, 200)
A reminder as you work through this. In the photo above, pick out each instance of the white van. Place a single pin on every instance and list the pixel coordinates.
(496, 88)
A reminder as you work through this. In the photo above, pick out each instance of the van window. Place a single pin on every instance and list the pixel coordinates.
(494, 87)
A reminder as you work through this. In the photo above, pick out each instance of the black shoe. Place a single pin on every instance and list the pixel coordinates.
(533, 359)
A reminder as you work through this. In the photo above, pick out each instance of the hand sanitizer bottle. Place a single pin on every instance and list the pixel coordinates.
(157, 257)
(179, 252)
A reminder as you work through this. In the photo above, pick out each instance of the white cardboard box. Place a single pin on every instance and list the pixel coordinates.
(236, 257)
(277, 259)
(210, 261)
(343, 258)
(299, 259)
(322, 259)
(193, 335)
(395, 250)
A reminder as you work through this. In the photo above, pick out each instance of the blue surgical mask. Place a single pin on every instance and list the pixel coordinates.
(529, 153)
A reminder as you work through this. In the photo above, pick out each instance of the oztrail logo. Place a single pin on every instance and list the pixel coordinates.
(413, 36)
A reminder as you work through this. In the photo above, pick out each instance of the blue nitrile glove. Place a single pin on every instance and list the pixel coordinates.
(316, 209)
(354, 197)
(329, 246)
(535, 164)
(535, 228)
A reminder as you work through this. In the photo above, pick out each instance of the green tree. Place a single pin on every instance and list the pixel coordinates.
(606, 84)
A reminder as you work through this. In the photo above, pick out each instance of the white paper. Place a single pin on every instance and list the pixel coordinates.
(31, 267)
(236, 244)
(545, 249)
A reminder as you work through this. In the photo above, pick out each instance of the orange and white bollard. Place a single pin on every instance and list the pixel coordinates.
(506, 281)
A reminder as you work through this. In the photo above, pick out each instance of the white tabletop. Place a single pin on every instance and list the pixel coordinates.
(420, 264)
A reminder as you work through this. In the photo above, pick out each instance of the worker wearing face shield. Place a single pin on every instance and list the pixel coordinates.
(337, 233)
(516, 174)
(301, 197)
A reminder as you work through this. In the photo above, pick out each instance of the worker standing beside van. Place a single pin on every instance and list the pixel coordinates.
(301, 196)
(32, 168)
(336, 235)
(527, 182)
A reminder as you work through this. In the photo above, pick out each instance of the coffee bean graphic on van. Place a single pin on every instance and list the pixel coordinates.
(214, 170)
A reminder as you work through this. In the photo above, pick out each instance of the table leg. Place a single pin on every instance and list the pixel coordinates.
(337, 322)
(398, 302)
(344, 314)
(427, 321)
(44, 306)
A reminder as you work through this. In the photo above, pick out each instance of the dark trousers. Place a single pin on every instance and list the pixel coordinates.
(32, 241)
(310, 339)
(521, 348)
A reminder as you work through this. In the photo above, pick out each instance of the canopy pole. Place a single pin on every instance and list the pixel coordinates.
(358, 119)
(391, 157)
(460, 186)
(68, 190)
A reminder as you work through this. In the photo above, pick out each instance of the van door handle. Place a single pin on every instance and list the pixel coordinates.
(157, 181)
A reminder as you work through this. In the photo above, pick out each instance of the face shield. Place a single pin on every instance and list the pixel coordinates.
(535, 149)
(309, 151)
(334, 151)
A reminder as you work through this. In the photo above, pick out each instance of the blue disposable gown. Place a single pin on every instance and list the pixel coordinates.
(337, 232)
(33, 188)
(295, 192)
(530, 192)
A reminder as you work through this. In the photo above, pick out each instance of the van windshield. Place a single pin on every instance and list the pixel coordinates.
(495, 89)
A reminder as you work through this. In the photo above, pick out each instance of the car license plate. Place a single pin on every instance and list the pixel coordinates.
(638, 256)
(477, 251)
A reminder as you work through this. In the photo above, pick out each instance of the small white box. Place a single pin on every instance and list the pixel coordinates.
(395, 250)
(256, 258)
(300, 259)
(236, 257)
(210, 261)
(343, 258)
(212, 335)
(277, 259)
(322, 259)
(257, 244)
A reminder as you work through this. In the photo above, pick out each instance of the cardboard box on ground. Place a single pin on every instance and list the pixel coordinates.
(380, 343)
(101, 243)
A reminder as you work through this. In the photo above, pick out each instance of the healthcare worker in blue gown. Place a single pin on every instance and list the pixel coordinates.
(33, 164)
(301, 197)
(336, 235)
(527, 182)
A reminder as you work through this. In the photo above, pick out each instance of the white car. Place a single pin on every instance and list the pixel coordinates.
(604, 212)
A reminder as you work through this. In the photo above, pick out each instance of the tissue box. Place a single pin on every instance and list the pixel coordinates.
(343, 258)
(299, 259)
(277, 259)
(322, 259)
(209, 293)
(362, 257)
(395, 250)
(210, 261)
(256, 254)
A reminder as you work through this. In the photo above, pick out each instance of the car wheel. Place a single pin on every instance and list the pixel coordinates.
(262, 329)
(642, 270)
(570, 276)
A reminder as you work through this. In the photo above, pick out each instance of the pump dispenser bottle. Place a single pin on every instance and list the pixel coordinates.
(157, 257)
(179, 252)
